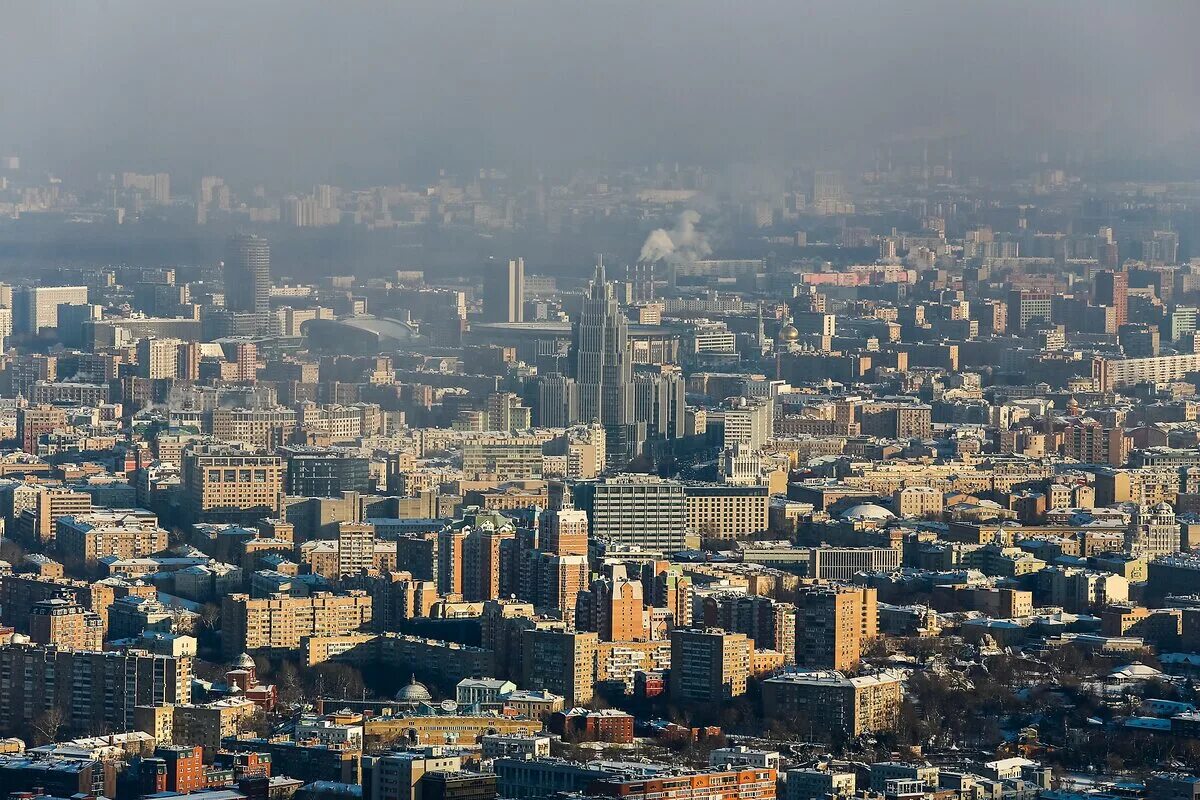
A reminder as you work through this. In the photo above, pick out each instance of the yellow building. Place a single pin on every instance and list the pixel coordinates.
(281, 623)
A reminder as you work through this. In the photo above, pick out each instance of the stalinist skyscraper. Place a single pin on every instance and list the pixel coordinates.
(603, 370)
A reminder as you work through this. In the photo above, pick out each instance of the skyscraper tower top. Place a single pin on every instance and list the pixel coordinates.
(600, 356)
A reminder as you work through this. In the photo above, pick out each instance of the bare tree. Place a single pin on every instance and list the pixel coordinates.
(47, 725)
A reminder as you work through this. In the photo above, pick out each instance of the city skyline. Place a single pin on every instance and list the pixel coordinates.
(600, 401)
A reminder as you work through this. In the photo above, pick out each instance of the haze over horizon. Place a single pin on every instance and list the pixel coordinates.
(290, 92)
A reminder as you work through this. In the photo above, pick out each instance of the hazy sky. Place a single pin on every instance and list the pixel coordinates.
(355, 90)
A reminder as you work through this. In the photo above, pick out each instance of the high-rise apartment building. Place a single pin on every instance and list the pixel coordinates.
(83, 539)
(897, 420)
(639, 277)
(561, 579)
(562, 662)
(158, 358)
(505, 412)
(708, 666)
(614, 607)
(35, 308)
(556, 404)
(481, 558)
(504, 291)
(450, 544)
(769, 624)
(248, 277)
(1090, 441)
(36, 523)
(91, 689)
(814, 323)
(659, 400)
(748, 421)
(356, 547)
(257, 427)
(504, 458)
(720, 511)
(1029, 309)
(397, 776)
(33, 421)
(834, 624)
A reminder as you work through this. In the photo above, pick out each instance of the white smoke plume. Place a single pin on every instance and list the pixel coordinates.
(681, 244)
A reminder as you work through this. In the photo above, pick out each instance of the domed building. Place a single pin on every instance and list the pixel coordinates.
(787, 333)
(414, 693)
(867, 512)
(243, 666)
(1153, 531)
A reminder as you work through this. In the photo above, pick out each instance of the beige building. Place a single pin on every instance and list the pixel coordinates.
(343, 424)
(355, 547)
(809, 784)
(125, 533)
(397, 776)
(727, 512)
(919, 502)
(158, 358)
(747, 421)
(832, 705)
(533, 704)
(65, 624)
(156, 720)
(439, 729)
(620, 660)
(36, 524)
(257, 427)
(36, 307)
(225, 484)
(1111, 373)
(502, 458)
(280, 623)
